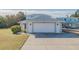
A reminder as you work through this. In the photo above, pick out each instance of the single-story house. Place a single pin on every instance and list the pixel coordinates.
(70, 22)
(42, 23)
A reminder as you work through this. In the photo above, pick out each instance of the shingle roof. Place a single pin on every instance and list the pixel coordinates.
(40, 17)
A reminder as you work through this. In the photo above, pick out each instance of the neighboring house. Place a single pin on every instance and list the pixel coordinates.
(70, 22)
(42, 23)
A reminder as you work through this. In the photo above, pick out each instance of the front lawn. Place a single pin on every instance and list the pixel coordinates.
(9, 41)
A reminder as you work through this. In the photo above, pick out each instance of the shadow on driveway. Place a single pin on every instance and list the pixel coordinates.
(56, 35)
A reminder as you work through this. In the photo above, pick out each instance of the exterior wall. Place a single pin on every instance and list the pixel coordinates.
(58, 27)
(75, 25)
(29, 27)
(22, 26)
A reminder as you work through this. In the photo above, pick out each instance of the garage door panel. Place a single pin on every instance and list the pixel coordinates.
(44, 27)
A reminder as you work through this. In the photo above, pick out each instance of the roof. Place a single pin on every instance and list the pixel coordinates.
(39, 17)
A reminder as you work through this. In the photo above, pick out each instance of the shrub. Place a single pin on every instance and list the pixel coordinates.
(15, 29)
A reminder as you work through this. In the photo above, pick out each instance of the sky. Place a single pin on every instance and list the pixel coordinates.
(53, 12)
(4, 12)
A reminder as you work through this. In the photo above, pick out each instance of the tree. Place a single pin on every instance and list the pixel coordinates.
(10, 20)
(73, 15)
(2, 22)
(20, 16)
(76, 14)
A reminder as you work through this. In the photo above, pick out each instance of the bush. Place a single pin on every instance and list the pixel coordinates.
(15, 29)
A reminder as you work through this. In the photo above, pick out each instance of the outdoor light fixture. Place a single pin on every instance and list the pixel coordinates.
(30, 24)
(57, 24)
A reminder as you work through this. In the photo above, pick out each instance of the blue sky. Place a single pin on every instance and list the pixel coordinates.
(53, 12)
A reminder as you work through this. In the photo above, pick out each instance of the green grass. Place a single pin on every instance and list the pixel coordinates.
(9, 41)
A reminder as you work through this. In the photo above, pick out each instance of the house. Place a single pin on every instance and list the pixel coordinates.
(70, 22)
(42, 23)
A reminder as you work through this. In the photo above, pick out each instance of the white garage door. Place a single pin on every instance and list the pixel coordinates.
(44, 27)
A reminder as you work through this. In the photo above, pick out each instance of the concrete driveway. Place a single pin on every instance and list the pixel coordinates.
(66, 41)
